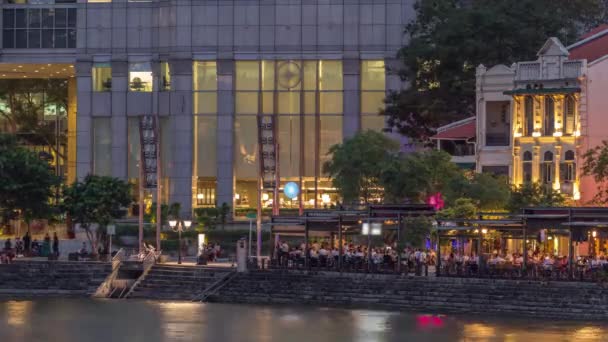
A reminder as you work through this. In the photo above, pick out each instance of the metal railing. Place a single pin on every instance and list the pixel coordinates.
(572, 69)
(118, 258)
(529, 71)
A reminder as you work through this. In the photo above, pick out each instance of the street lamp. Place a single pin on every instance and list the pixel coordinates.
(179, 227)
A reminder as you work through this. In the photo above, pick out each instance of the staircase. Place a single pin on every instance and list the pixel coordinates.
(52, 278)
(566, 300)
(170, 282)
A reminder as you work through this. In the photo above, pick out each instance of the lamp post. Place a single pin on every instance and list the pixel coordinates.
(179, 226)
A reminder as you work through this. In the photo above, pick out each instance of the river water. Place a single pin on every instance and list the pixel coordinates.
(87, 320)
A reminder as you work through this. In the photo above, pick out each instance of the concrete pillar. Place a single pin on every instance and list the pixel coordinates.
(556, 163)
(182, 121)
(225, 132)
(84, 141)
(120, 82)
(352, 97)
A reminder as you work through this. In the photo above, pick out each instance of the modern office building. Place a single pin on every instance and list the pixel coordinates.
(208, 68)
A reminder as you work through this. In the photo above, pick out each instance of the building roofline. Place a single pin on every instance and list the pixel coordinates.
(588, 39)
(456, 124)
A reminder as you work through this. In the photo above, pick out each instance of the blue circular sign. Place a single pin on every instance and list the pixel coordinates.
(291, 190)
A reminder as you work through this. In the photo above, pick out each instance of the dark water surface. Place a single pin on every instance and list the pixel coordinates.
(86, 320)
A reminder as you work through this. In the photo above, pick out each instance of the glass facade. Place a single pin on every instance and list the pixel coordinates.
(102, 77)
(306, 98)
(205, 133)
(102, 146)
(373, 92)
(35, 28)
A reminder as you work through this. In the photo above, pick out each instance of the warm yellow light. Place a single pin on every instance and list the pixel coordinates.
(556, 186)
(200, 196)
(237, 196)
(484, 231)
(476, 231)
(536, 134)
(594, 233)
(325, 198)
(265, 197)
(550, 237)
(577, 133)
(311, 201)
(517, 134)
(557, 134)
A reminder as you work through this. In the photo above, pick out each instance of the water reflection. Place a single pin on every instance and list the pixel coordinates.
(17, 313)
(145, 321)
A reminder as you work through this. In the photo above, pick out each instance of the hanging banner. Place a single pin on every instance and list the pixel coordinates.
(149, 145)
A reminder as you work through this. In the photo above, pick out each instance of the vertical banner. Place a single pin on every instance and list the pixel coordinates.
(149, 146)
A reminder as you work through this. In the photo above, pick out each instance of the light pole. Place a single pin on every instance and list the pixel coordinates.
(179, 226)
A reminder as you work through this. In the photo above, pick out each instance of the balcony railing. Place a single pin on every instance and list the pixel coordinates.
(529, 71)
(572, 69)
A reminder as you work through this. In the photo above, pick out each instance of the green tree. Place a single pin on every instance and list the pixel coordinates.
(450, 38)
(486, 191)
(416, 230)
(356, 165)
(595, 164)
(26, 182)
(416, 176)
(463, 208)
(534, 195)
(96, 199)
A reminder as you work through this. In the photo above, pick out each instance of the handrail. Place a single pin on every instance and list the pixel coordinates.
(118, 258)
(149, 260)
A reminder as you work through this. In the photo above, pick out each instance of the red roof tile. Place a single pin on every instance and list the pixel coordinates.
(461, 132)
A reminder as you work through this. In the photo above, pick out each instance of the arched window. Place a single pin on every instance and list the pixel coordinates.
(569, 114)
(567, 170)
(527, 167)
(547, 168)
(549, 124)
(528, 116)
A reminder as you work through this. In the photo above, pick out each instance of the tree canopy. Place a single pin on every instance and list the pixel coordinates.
(96, 199)
(534, 195)
(356, 164)
(595, 164)
(26, 181)
(450, 38)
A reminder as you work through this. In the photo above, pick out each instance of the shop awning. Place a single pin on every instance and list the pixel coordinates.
(543, 91)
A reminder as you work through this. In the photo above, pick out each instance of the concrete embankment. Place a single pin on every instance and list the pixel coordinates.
(554, 300)
(26, 279)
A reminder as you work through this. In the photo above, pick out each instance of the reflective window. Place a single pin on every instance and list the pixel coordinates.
(140, 77)
(36, 28)
(102, 146)
(528, 116)
(102, 77)
(569, 114)
(549, 124)
(547, 168)
(165, 74)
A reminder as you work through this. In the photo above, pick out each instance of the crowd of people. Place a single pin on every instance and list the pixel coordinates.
(28, 246)
(354, 257)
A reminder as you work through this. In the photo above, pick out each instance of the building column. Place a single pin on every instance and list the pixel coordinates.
(120, 148)
(225, 132)
(558, 111)
(71, 135)
(182, 121)
(517, 169)
(351, 124)
(84, 137)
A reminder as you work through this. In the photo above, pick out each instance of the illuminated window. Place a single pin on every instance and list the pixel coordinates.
(165, 74)
(140, 77)
(307, 99)
(373, 92)
(205, 87)
(568, 168)
(102, 77)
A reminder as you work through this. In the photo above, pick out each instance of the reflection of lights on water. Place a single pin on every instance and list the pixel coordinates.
(370, 321)
(288, 318)
(18, 312)
(175, 326)
(587, 333)
(429, 321)
(478, 330)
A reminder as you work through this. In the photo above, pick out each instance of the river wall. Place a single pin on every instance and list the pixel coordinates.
(553, 300)
(26, 279)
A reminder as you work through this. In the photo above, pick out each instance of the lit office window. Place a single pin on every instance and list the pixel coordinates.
(35, 28)
(165, 74)
(373, 92)
(140, 77)
(102, 77)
